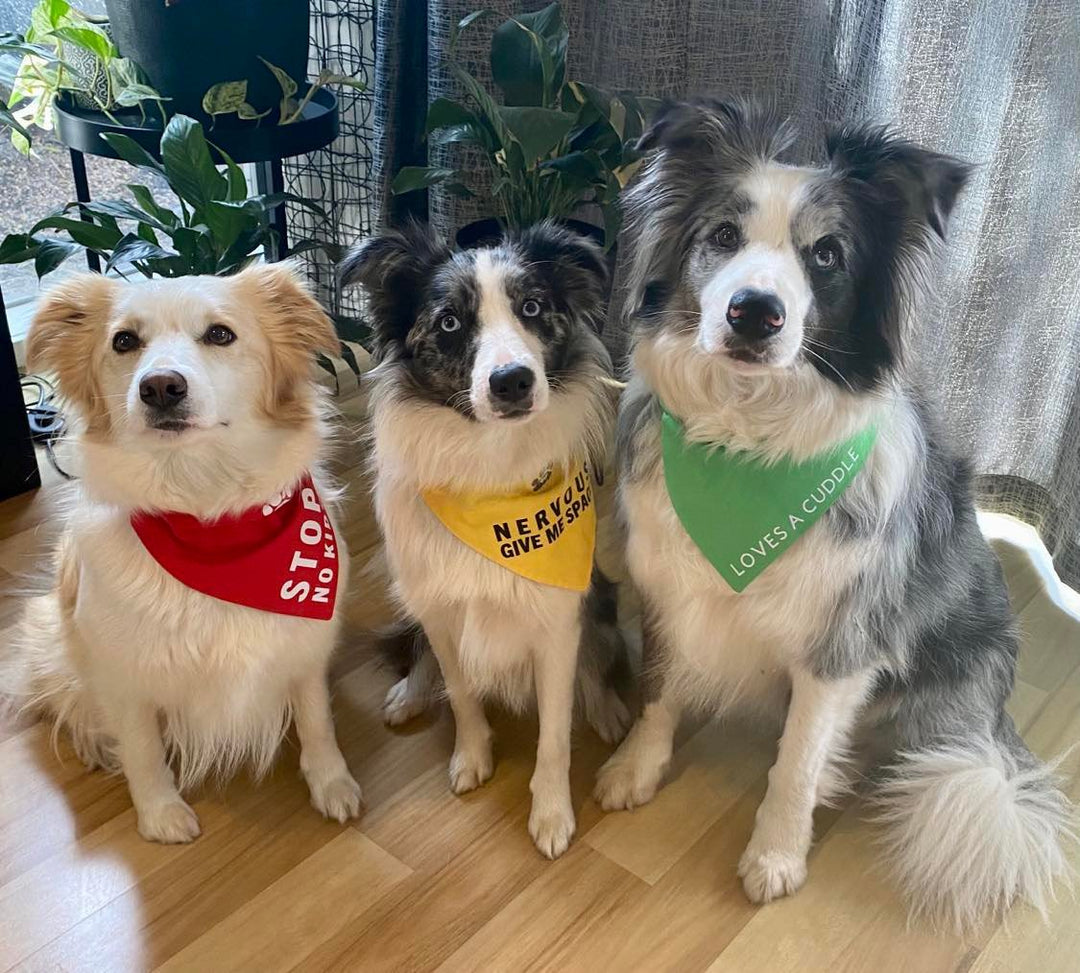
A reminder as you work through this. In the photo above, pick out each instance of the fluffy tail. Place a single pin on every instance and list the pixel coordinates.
(973, 825)
(36, 677)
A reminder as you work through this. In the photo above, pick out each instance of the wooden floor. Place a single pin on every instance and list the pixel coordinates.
(426, 880)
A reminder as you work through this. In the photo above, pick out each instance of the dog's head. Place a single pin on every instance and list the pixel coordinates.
(772, 266)
(165, 364)
(487, 332)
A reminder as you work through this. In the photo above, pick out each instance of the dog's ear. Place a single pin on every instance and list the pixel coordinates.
(296, 327)
(393, 268)
(738, 133)
(67, 329)
(906, 178)
(574, 263)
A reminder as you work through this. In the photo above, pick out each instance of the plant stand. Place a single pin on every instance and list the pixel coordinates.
(261, 144)
(18, 466)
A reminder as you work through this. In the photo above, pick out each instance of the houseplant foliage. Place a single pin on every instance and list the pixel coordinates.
(552, 144)
(65, 52)
(218, 229)
(231, 97)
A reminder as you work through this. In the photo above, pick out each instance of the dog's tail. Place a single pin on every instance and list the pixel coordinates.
(36, 677)
(974, 823)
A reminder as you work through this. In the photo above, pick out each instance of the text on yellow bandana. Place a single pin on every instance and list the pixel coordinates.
(545, 532)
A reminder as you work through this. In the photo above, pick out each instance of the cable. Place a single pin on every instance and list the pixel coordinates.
(46, 419)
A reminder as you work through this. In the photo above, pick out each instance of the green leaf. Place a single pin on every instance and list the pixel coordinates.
(489, 110)
(145, 198)
(528, 57)
(537, 130)
(330, 77)
(237, 188)
(189, 168)
(116, 209)
(248, 113)
(50, 254)
(132, 153)
(132, 248)
(6, 118)
(465, 22)
(91, 39)
(350, 358)
(130, 95)
(411, 178)
(226, 221)
(443, 112)
(145, 232)
(18, 247)
(88, 235)
(284, 79)
(264, 204)
(225, 98)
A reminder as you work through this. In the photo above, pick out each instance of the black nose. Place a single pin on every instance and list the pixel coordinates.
(512, 383)
(755, 314)
(162, 390)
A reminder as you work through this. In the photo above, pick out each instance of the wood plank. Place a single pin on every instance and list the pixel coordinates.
(281, 925)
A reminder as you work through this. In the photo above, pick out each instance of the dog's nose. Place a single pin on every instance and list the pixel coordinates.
(162, 390)
(511, 383)
(755, 314)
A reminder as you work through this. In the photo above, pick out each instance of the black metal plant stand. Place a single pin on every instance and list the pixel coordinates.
(18, 466)
(264, 145)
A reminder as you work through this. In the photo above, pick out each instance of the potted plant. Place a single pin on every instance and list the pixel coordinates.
(218, 229)
(66, 54)
(552, 145)
(188, 46)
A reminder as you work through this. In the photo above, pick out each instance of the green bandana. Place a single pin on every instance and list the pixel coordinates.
(743, 513)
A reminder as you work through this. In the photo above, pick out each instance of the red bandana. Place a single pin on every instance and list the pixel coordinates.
(280, 557)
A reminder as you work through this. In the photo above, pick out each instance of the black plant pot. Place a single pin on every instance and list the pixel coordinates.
(187, 46)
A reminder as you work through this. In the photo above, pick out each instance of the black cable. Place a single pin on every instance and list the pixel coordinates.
(46, 419)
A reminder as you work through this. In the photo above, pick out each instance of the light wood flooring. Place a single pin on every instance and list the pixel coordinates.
(426, 880)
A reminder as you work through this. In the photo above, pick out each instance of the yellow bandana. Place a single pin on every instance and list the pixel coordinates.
(545, 532)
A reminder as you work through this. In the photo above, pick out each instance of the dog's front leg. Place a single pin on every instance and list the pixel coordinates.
(472, 762)
(819, 718)
(162, 813)
(551, 822)
(634, 772)
(334, 792)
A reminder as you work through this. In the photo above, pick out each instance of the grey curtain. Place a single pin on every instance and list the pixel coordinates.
(994, 81)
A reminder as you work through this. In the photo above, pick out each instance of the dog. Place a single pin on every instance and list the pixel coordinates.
(491, 385)
(771, 307)
(200, 438)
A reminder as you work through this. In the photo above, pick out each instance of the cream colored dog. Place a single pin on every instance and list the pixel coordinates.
(192, 397)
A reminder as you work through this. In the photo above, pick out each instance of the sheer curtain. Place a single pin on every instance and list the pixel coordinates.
(994, 81)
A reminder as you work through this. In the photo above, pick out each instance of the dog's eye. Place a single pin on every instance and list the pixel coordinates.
(826, 253)
(449, 323)
(125, 341)
(530, 309)
(218, 334)
(726, 236)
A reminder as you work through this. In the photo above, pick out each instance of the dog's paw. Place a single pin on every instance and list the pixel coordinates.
(339, 798)
(170, 822)
(625, 782)
(402, 703)
(769, 874)
(611, 718)
(470, 768)
(552, 829)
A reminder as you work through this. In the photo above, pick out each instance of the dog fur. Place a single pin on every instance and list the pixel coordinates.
(138, 667)
(434, 424)
(891, 610)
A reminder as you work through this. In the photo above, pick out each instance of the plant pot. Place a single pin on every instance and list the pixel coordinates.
(187, 46)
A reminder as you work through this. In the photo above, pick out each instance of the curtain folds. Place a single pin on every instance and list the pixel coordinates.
(994, 81)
